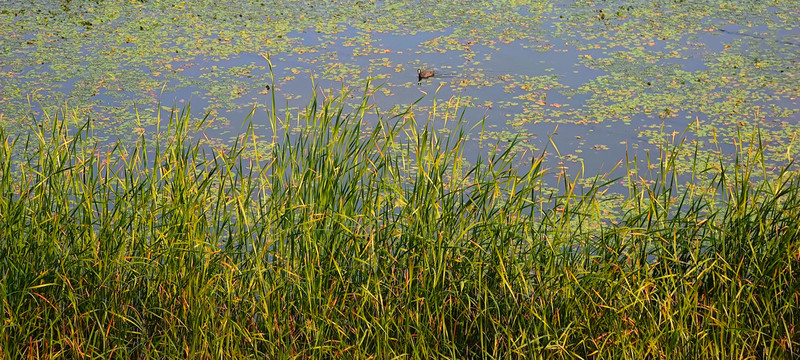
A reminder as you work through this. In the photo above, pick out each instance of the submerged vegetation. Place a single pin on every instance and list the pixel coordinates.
(349, 242)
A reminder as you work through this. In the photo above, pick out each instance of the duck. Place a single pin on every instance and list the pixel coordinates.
(424, 74)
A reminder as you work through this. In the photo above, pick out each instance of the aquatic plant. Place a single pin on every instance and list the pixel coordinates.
(348, 242)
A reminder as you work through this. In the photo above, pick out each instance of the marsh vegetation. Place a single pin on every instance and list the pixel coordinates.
(578, 180)
(348, 243)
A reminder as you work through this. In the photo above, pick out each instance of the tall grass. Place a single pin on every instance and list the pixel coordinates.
(348, 242)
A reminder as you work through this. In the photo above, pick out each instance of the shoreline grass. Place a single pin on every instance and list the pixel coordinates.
(381, 243)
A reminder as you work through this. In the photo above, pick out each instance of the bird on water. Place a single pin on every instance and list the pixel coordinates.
(424, 74)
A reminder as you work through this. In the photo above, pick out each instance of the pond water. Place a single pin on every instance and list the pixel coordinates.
(591, 81)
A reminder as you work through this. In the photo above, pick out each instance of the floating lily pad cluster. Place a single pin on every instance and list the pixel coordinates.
(614, 73)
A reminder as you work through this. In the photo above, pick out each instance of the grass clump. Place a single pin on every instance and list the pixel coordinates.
(348, 242)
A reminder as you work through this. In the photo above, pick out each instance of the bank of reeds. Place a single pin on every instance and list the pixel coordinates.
(353, 243)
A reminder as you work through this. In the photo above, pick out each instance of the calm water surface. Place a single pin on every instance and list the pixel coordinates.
(588, 81)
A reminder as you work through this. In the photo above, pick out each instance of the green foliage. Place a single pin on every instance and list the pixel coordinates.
(343, 242)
